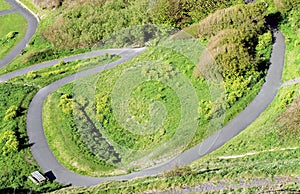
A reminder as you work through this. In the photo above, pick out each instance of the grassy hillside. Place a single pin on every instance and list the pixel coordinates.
(80, 25)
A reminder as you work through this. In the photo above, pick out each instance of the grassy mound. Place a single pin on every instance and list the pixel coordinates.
(13, 29)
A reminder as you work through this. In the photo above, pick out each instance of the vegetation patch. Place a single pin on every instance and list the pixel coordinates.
(43, 77)
(4, 5)
(82, 25)
(13, 29)
(16, 162)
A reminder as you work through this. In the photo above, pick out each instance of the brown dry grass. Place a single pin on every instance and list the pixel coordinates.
(290, 120)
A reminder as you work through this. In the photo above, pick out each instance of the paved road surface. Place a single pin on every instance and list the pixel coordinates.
(8, 11)
(31, 29)
(48, 162)
(291, 82)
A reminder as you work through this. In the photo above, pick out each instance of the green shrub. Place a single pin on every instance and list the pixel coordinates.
(10, 113)
(8, 142)
(11, 35)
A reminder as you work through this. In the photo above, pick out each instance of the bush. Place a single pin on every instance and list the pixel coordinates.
(11, 35)
(8, 142)
(247, 18)
(82, 25)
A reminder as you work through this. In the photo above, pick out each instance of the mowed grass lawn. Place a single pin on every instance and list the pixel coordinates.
(4, 5)
(11, 23)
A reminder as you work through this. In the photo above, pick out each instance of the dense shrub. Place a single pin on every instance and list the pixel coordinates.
(246, 18)
(82, 25)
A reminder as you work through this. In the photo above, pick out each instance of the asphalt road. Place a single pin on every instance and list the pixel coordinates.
(32, 25)
(4, 12)
(44, 157)
(48, 162)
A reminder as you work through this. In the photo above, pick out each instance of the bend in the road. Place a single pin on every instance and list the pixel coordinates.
(32, 25)
(47, 161)
(7, 76)
(8, 11)
(40, 149)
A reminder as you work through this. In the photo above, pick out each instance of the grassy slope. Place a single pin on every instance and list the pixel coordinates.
(37, 47)
(4, 5)
(11, 23)
(292, 59)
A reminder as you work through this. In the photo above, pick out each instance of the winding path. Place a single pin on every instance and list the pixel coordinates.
(32, 25)
(47, 161)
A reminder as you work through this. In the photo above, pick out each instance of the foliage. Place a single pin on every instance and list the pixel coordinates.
(82, 25)
(16, 162)
(11, 113)
(8, 142)
(246, 18)
(66, 103)
(264, 47)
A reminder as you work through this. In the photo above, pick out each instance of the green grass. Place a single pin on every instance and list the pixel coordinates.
(11, 23)
(292, 59)
(43, 77)
(17, 166)
(4, 5)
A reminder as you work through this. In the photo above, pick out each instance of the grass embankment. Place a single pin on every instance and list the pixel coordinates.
(4, 5)
(13, 29)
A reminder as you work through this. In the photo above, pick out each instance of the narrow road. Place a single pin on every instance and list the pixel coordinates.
(47, 161)
(8, 11)
(43, 155)
(32, 25)
(291, 82)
